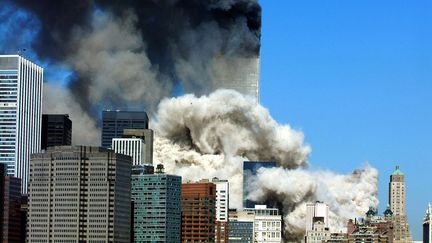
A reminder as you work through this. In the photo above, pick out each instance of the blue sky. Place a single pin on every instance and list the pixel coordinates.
(356, 78)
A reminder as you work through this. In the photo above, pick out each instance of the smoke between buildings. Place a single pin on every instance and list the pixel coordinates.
(127, 54)
(212, 135)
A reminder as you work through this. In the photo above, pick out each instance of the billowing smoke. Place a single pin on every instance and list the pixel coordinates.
(129, 54)
(212, 135)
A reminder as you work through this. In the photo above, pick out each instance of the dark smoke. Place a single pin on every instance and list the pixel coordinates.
(183, 40)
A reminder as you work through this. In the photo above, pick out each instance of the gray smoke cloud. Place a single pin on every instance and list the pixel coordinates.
(211, 136)
(130, 54)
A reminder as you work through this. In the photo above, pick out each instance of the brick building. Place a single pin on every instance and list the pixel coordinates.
(198, 202)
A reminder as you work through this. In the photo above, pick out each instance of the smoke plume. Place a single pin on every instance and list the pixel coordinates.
(131, 54)
(212, 136)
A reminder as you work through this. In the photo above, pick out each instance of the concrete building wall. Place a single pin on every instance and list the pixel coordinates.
(79, 193)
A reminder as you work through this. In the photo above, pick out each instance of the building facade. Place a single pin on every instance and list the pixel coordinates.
(397, 201)
(157, 208)
(79, 194)
(250, 169)
(241, 226)
(317, 211)
(427, 225)
(242, 75)
(56, 130)
(137, 143)
(21, 84)
(198, 205)
(267, 224)
(222, 209)
(318, 234)
(114, 122)
(10, 205)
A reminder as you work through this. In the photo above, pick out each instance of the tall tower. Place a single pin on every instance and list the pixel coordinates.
(427, 225)
(397, 195)
(397, 192)
(20, 114)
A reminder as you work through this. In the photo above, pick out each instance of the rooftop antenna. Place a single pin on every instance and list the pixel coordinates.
(20, 52)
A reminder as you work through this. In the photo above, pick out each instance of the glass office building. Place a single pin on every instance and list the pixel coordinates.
(114, 122)
(157, 208)
(21, 84)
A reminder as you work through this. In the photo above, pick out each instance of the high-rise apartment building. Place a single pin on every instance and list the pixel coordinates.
(21, 84)
(198, 205)
(315, 212)
(114, 122)
(137, 143)
(267, 224)
(79, 194)
(427, 225)
(56, 130)
(222, 209)
(157, 208)
(250, 169)
(10, 208)
(397, 200)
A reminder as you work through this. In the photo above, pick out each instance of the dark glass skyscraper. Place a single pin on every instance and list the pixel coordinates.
(250, 169)
(56, 130)
(113, 123)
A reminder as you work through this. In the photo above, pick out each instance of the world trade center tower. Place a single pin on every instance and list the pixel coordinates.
(21, 84)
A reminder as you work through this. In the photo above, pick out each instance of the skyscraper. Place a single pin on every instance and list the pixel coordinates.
(397, 194)
(250, 169)
(114, 122)
(222, 208)
(56, 130)
(427, 225)
(242, 75)
(20, 114)
(79, 194)
(157, 209)
(198, 202)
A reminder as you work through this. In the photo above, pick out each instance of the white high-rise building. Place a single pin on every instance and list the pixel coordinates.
(315, 212)
(222, 209)
(133, 147)
(21, 83)
(267, 224)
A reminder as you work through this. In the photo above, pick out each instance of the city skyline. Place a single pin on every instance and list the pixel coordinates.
(350, 79)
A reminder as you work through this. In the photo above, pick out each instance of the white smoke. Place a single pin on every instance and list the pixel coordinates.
(348, 196)
(211, 136)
